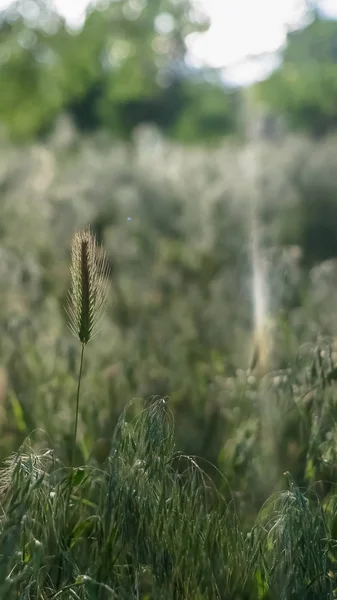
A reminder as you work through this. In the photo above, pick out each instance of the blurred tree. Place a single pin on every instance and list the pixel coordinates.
(124, 67)
(304, 88)
(29, 95)
(207, 111)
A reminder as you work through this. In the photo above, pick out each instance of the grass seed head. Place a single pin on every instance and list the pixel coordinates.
(88, 293)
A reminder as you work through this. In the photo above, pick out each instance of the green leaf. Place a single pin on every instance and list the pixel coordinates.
(17, 411)
(79, 476)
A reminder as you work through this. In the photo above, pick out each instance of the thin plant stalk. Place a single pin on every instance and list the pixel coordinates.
(87, 298)
(77, 407)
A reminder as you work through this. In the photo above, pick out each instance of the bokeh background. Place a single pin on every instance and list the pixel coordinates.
(211, 180)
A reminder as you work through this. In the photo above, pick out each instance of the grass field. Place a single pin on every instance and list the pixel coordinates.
(184, 473)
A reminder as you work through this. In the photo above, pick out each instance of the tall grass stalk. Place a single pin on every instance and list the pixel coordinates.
(87, 298)
(77, 406)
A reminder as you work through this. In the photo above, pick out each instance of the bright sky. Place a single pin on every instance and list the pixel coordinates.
(239, 29)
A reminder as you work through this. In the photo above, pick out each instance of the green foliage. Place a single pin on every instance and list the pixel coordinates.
(292, 542)
(124, 67)
(304, 88)
(208, 114)
(180, 325)
(150, 525)
(177, 324)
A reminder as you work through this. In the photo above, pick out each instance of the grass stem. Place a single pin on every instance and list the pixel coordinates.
(77, 407)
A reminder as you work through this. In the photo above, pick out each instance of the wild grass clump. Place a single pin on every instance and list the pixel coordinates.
(149, 524)
(293, 547)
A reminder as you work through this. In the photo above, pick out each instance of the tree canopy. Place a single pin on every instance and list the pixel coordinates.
(304, 88)
(125, 66)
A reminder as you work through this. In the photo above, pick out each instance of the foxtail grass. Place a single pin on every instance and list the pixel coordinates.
(87, 298)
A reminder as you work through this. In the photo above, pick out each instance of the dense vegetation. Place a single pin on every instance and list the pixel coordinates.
(202, 464)
(180, 325)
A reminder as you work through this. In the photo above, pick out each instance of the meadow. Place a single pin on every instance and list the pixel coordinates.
(205, 451)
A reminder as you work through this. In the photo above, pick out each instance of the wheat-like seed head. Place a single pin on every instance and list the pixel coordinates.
(88, 293)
